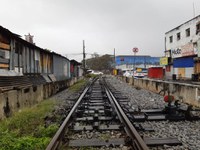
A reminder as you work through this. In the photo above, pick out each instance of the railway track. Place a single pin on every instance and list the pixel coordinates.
(97, 120)
(102, 118)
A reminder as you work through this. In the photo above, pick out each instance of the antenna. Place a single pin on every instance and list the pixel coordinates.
(193, 10)
(114, 59)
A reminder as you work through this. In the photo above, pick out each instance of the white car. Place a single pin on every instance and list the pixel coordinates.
(140, 74)
(97, 72)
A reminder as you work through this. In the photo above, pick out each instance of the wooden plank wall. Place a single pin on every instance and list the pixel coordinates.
(197, 68)
(4, 46)
(4, 52)
(4, 55)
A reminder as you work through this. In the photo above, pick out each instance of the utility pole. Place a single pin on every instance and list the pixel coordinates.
(84, 67)
(114, 59)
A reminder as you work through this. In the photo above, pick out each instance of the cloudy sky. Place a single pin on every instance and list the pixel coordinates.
(62, 25)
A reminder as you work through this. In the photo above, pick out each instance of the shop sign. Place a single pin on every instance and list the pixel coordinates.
(163, 61)
(176, 53)
(187, 50)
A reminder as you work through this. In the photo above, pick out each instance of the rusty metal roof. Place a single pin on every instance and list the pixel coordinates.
(17, 37)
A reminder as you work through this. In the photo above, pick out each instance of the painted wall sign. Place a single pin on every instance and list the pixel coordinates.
(176, 53)
(187, 50)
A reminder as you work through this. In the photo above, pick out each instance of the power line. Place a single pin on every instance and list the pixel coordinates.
(87, 54)
(74, 53)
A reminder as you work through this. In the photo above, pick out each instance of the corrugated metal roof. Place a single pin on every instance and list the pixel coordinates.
(18, 38)
(75, 62)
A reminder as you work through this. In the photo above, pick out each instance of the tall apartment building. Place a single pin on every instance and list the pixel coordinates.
(182, 48)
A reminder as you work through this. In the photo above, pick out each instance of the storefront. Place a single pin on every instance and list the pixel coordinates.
(183, 67)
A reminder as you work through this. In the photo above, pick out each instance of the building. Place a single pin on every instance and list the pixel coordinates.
(129, 62)
(20, 57)
(29, 74)
(75, 68)
(182, 45)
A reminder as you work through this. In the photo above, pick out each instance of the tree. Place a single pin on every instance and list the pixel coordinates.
(100, 63)
(95, 55)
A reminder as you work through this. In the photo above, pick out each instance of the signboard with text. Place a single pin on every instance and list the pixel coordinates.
(164, 61)
(186, 50)
(176, 53)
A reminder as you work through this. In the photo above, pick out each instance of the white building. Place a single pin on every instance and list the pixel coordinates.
(182, 45)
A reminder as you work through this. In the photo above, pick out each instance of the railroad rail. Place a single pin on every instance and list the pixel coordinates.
(101, 109)
(137, 142)
(60, 133)
(97, 110)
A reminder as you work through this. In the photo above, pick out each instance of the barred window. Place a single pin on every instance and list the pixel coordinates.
(198, 28)
(187, 32)
(178, 36)
(171, 39)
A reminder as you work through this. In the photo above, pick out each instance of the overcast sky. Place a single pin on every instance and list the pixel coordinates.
(62, 25)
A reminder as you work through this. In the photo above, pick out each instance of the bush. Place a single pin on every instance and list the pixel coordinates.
(10, 141)
(78, 85)
(26, 130)
(46, 132)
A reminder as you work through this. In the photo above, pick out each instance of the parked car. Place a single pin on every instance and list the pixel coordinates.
(140, 73)
(96, 72)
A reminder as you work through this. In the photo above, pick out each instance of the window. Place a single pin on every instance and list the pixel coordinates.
(198, 28)
(178, 36)
(187, 32)
(171, 39)
(18, 48)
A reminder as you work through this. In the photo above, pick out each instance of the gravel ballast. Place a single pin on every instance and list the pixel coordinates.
(188, 132)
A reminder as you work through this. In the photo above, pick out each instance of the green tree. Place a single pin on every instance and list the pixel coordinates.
(100, 63)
